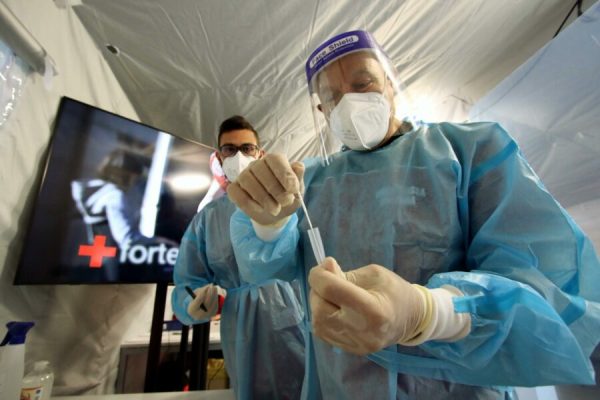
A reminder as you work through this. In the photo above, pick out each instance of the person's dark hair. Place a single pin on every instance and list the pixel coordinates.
(235, 123)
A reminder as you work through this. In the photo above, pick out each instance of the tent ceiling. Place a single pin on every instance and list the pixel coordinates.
(188, 64)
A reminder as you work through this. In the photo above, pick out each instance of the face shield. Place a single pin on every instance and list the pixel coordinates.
(355, 92)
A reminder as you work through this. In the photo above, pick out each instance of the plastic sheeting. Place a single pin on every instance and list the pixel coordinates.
(13, 73)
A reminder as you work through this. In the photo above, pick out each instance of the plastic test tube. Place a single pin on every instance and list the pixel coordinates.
(313, 235)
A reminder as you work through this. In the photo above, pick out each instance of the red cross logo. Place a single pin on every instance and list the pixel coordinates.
(97, 251)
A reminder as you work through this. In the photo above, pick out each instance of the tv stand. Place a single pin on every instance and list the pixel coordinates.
(155, 337)
(199, 353)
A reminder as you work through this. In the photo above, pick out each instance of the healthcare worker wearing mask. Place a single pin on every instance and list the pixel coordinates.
(261, 336)
(452, 272)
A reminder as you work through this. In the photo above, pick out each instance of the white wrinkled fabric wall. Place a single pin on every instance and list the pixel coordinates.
(189, 64)
(78, 328)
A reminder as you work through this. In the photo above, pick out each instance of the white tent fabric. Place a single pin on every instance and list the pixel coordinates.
(183, 66)
(187, 65)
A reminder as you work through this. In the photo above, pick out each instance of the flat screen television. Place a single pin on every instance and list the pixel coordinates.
(115, 199)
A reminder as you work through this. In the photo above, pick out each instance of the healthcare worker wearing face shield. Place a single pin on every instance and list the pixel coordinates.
(452, 272)
(261, 335)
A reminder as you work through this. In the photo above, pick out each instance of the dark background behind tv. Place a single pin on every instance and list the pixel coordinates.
(83, 135)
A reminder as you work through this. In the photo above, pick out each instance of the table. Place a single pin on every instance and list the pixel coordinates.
(134, 354)
(195, 395)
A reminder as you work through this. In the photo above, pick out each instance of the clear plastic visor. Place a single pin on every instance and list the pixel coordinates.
(357, 72)
(362, 71)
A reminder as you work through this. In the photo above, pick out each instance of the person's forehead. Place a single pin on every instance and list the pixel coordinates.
(238, 137)
(349, 66)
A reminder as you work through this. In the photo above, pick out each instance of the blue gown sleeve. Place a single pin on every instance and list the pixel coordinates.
(259, 261)
(191, 269)
(528, 282)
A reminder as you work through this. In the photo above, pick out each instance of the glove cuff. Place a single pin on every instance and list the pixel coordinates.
(425, 322)
(269, 233)
(444, 323)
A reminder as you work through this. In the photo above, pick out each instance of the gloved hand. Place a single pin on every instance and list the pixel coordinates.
(206, 303)
(266, 190)
(367, 309)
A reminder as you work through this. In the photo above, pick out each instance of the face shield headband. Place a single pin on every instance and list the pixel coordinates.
(337, 47)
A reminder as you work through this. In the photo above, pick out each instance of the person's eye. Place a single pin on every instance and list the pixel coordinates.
(362, 85)
(228, 149)
(248, 149)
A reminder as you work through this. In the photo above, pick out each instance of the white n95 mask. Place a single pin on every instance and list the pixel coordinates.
(233, 166)
(361, 120)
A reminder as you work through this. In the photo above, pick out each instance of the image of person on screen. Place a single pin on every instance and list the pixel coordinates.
(111, 207)
(110, 203)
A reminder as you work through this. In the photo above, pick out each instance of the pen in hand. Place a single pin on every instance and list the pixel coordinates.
(193, 296)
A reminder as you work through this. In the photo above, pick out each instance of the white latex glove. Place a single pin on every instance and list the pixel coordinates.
(367, 309)
(266, 190)
(206, 303)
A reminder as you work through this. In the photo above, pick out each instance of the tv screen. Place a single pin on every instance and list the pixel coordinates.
(115, 199)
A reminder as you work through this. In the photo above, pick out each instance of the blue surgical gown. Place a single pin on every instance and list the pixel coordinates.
(452, 204)
(261, 324)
